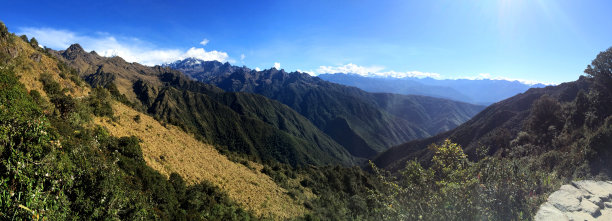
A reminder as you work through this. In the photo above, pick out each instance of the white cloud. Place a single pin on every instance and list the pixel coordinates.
(204, 42)
(311, 73)
(130, 49)
(372, 71)
(378, 71)
(416, 74)
(242, 56)
(349, 68)
(202, 54)
(277, 65)
(257, 69)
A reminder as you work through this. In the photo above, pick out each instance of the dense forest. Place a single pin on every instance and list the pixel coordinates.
(58, 163)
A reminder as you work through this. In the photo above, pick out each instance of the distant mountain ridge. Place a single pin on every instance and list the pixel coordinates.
(480, 91)
(364, 123)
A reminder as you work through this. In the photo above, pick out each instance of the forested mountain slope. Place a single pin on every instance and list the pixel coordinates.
(494, 127)
(362, 122)
(570, 121)
(249, 125)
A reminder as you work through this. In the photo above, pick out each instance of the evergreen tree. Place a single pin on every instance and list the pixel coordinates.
(34, 42)
(601, 69)
(3, 30)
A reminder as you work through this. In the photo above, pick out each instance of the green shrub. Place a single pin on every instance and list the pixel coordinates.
(28, 187)
(64, 104)
(50, 86)
(456, 189)
(545, 119)
(36, 96)
(448, 159)
(137, 118)
(24, 38)
(3, 30)
(100, 102)
(34, 43)
(112, 88)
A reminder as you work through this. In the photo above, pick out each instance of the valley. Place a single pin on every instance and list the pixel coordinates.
(374, 122)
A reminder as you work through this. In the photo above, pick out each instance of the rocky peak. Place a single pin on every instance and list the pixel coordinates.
(74, 51)
(75, 48)
(193, 62)
(117, 60)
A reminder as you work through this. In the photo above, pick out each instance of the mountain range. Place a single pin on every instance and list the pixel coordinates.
(246, 124)
(364, 123)
(465, 90)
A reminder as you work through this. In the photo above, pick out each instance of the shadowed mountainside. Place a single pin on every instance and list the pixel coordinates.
(246, 124)
(493, 128)
(362, 122)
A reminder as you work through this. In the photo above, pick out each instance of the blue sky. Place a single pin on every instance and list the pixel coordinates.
(535, 40)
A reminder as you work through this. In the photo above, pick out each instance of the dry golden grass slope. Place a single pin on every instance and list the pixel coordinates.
(181, 152)
(169, 149)
(30, 64)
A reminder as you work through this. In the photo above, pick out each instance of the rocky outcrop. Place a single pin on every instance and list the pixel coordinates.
(36, 57)
(580, 200)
